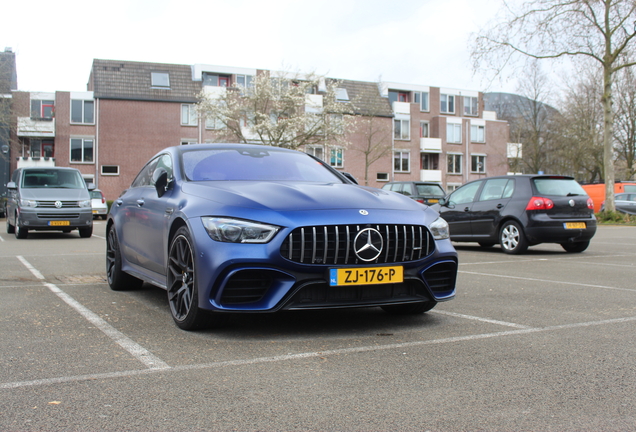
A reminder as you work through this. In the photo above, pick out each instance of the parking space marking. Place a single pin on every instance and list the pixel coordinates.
(137, 351)
(548, 281)
(487, 320)
(306, 355)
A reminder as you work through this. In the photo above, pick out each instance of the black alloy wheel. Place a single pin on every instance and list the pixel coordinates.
(20, 232)
(182, 283)
(118, 280)
(512, 238)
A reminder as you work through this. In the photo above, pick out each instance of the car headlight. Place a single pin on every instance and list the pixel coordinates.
(28, 203)
(439, 229)
(237, 230)
(84, 204)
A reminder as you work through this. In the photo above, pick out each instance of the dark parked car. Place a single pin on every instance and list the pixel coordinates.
(624, 202)
(422, 192)
(48, 199)
(521, 211)
(249, 228)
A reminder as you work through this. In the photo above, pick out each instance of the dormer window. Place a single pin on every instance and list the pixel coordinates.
(160, 79)
(342, 95)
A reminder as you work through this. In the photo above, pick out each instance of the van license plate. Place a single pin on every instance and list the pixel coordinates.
(59, 223)
(574, 225)
(366, 276)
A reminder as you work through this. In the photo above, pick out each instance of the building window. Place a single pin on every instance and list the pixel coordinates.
(424, 129)
(398, 96)
(478, 133)
(188, 141)
(42, 109)
(447, 103)
(214, 123)
(82, 150)
(110, 170)
(471, 105)
(382, 177)
(216, 80)
(336, 159)
(450, 187)
(160, 79)
(454, 133)
(82, 111)
(430, 161)
(478, 164)
(316, 151)
(424, 106)
(244, 80)
(402, 129)
(454, 164)
(337, 123)
(188, 115)
(342, 95)
(401, 161)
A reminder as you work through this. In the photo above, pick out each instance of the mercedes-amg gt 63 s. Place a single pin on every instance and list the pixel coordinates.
(231, 228)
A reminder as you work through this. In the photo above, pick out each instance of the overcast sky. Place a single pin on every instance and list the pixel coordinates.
(424, 42)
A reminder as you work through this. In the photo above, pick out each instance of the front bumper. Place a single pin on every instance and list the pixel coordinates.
(50, 220)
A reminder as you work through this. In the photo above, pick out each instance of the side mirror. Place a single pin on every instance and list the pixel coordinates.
(11, 185)
(91, 186)
(350, 177)
(160, 179)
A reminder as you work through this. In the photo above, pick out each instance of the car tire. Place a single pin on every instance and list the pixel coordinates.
(20, 232)
(183, 293)
(86, 232)
(486, 244)
(512, 238)
(410, 308)
(10, 228)
(118, 280)
(575, 247)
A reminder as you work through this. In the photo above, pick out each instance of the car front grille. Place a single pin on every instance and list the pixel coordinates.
(58, 215)
(441, 277)
(334, 244)
(51, 204)
(247, 286)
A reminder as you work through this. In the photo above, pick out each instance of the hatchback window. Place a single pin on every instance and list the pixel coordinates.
(558, 187)
(430, 190)
(96, 195)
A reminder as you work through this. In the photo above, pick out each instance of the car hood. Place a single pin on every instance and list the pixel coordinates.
(299, 196)
(52, 194)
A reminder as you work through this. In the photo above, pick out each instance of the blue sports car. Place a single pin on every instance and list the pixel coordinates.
(251, 228)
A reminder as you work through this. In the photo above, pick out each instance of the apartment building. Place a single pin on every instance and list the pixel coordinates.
(131, 110)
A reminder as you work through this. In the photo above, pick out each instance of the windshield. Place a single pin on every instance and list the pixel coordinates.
(254, 165)
(558, 187)
(52, 178)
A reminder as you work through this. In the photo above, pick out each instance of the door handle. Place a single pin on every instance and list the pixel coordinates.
(500, 206)
(119, 202)
(140, 202)
(467, 209)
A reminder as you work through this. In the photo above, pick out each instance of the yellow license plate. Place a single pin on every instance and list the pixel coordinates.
(574, 225)
(59, 223)
(366, 276)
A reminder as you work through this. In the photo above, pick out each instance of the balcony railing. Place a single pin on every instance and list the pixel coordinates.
(431, 175)
(31, 127)
(431, 145)
(35, 162)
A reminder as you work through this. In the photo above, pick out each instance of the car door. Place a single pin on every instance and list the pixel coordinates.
(486, 211)
(156, 213)
(457, 210)
(626, 203)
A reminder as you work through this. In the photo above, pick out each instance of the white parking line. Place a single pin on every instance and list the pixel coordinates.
(547, 281)
(139, 352)
(487, 320)
(306, 355)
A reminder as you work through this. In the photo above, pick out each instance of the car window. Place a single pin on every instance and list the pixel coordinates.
(406, 189)
(52, 178)
(509, 189)
(96, 195)
(396, 187)
(558, 187)
(165, 162)
(144, 178)
(430, 190)
(622, 197)
(254, 165)
(493, 189)
(465, 194)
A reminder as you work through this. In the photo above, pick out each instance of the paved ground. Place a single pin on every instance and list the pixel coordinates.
(543, 341)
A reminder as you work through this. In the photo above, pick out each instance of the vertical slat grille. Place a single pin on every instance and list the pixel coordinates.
(333, 244)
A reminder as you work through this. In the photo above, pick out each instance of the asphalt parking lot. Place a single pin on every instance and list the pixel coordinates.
(542, 341)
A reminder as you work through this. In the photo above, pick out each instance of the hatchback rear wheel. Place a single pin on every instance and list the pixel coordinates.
(512, 238)
(575, 247)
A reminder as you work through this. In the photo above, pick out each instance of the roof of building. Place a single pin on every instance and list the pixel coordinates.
(116, 79)
(366, 99)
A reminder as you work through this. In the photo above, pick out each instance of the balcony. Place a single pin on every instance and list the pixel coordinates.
(313, 103)
(431, 145)
(402, 108)
(35, 162)
(431, 175)
(36, 127)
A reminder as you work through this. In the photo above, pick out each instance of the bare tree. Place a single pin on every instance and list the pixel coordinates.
(625, 126)
(278, 110)
(601, 30)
